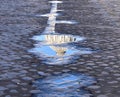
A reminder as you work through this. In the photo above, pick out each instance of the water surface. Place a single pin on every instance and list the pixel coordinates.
(65, 85)
(58, 48)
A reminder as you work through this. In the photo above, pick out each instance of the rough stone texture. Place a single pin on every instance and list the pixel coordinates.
(98, 22)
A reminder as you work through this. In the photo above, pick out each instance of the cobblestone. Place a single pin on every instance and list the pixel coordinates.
(98, 22)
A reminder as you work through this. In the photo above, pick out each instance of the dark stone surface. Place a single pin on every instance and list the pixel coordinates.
(98, 22)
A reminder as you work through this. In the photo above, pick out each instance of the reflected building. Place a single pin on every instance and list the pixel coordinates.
(51, 24)
(57, 43)
(58, 49)
(55, 48)
(59, 39)
(52, 18)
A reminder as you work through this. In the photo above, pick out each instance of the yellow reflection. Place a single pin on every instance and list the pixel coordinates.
(51, 19)
(60, 51)
(59, 39)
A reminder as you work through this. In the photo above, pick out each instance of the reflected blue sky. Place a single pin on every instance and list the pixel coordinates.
(64, 85)
(48, 51)
(55, 48)
(59, 49)
(45, 50)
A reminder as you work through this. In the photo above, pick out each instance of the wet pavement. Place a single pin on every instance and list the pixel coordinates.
(65, 85)
(92, 25)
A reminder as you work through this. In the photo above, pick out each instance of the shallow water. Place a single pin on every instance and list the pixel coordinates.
(58, 48)
(20, 68)
(65, 85)
(55, 48)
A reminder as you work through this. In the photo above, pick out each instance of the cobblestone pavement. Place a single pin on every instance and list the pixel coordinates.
(99, 22)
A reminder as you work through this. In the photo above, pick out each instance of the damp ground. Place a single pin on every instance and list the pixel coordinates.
(98, 22)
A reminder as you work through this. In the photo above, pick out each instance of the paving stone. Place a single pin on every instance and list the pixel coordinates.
(11, 86)
(1, 93)
(27, 78)
(41, 73)
(35, 91)
(7, 96)
(102, 96)
(2, 88)
(98, 23)
(13, 91)
(94, 87)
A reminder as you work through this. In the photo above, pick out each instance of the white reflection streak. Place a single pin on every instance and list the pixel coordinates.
(52, 17)
(66, 22)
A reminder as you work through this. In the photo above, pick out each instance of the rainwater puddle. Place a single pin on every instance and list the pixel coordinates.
(64, 85)
(58, 49)
(54, 48)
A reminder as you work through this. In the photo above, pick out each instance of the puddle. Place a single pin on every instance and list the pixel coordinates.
(65, 85)
(58, 49)
(59, 55)
(54, 48)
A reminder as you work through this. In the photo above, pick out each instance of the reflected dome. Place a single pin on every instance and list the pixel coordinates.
(55, 42)
(58, 49)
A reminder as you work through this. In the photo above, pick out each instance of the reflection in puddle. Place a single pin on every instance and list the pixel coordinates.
(49, 14)
(60, 49)
(55, 2)
(52, 18)
(66, 22)
(56, 49)
(57, 38)
(56, 55)
(65, 85)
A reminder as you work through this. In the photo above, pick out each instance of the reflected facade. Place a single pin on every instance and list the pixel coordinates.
(58, 49)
